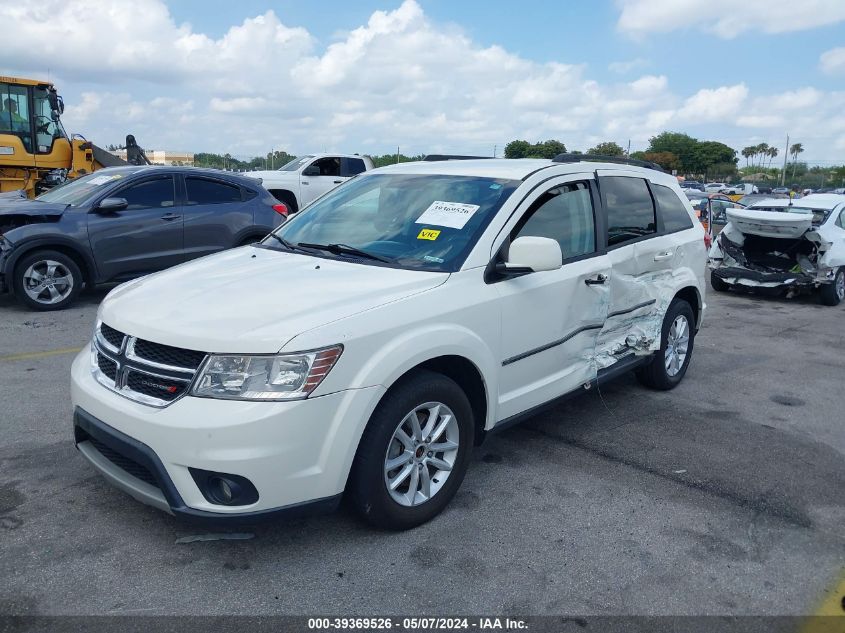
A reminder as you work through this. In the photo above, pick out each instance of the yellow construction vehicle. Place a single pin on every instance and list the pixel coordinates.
(35, 151)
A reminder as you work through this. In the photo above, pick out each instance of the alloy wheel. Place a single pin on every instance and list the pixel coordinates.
(840, 285)
(677, 345)
(421, 454)
(47, 281)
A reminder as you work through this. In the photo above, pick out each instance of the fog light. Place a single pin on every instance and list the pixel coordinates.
(224, 489)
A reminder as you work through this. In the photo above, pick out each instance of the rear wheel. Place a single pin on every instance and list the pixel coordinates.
(718, 284)
(832, 294)
(414, 453)
(668, 366)
(47, 280)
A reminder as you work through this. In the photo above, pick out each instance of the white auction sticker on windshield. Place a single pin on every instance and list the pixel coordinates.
(101, 180)
(452, 214)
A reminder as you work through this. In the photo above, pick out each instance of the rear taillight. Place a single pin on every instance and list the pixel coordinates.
(281, 209)
(708, 241)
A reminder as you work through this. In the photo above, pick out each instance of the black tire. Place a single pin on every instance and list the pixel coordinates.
(39, 260)
(367, 488)
(655, 375)
(719, 285)
(832, 294)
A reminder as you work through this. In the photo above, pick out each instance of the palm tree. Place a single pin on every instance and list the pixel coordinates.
(772, 153)
(748, 152)
(762, 152)
(794, 150)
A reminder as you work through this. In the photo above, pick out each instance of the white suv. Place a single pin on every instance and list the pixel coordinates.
(367, 344)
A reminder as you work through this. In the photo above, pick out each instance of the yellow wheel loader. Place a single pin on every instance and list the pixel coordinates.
(35, 151)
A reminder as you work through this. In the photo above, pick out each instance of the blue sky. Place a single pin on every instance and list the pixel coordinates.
(437, 75)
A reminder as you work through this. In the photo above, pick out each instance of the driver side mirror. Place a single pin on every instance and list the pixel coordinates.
(110, 205)
(311, 170)
(530, 254)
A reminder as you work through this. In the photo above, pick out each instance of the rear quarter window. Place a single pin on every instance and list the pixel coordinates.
(672, 211)
(202, 191)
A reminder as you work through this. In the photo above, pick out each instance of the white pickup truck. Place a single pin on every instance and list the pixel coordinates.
(308, 177)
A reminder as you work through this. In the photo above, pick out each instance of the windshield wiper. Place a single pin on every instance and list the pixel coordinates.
(286, 244)
(345, 249)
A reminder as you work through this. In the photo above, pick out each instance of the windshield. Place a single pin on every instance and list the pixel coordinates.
(425, 222)
(75, 192)
(295, 164)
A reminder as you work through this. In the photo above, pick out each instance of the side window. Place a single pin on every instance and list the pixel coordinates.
(352, 167)
(329, 166)
(565, 214)
(151, 194)
(672, 211)
(630, 209)
(202, 191)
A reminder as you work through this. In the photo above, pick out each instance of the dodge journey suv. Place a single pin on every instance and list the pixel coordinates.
(365, 346)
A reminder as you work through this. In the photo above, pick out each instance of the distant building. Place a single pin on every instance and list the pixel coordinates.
(162, 157)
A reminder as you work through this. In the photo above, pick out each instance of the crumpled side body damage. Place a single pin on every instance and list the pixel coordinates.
(635, 329)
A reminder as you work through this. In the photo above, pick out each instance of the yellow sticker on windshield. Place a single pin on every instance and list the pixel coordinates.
(428, 234)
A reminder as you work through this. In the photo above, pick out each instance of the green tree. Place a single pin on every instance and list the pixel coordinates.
(667, 160)
(794, 150)
(708, 154)
(608, 148)
(517, 149)
(681, 145)
(524, 149)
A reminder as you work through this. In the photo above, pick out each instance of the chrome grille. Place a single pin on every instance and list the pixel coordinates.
(147, 372)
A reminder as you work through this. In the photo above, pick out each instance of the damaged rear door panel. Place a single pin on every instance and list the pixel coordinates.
(649, 265)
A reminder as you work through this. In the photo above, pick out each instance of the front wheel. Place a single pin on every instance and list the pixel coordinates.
(832, 294)
(414, 453)
(669, 365)
(47, 280)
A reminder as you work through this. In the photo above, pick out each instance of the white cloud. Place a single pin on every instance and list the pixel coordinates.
(398, 79)
(717, 104)
(727, 18)
(627, 66)
(833, 61)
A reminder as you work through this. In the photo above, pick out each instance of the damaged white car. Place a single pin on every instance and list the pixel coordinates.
(367, 344)
(793, 246)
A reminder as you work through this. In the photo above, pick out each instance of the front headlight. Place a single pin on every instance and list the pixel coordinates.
(277, 377)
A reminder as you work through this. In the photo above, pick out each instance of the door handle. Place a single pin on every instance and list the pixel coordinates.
(597, 280)
(663, 256)
(337, 182)
(170, 216)
(304, 182)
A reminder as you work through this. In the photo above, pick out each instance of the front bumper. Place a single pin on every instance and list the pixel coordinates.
(296, 454)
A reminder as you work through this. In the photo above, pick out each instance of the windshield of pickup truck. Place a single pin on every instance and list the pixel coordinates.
(75, 192)
(425, 222)
(295, 164)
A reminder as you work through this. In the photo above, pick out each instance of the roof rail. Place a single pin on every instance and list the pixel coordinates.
(597, 158)
(430, 158)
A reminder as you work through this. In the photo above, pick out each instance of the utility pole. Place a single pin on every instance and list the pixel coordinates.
(272, 151)
(628, 153)
(397, 154)
(785, 156)
(494, 150)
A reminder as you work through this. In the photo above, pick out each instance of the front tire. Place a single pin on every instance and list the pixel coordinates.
(668, 366)
(47, 280)
(833, 294)
(414, 453)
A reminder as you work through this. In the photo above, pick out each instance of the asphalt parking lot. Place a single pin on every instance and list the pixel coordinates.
(724, 496)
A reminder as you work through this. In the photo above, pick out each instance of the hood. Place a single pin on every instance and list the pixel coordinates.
(24, 206)
(275, 175)
(253, 300)
(770, 223)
